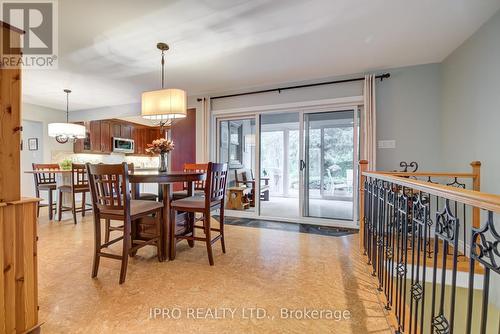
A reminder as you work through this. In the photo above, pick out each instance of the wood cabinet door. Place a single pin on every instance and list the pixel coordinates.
(126, 131)
(139, 140)
(106, 137)
(95, 136)
(117, 128)
(78, 145)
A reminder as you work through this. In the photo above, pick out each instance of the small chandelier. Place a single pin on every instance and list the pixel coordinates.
(163, 105)
(63, 132)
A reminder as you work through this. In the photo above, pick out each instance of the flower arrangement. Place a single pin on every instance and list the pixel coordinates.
(66, 164)
(160, 146)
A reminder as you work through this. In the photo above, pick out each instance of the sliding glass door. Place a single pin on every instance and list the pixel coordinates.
(237, 148)
(296, 165)
(329, 164)
(279, 164)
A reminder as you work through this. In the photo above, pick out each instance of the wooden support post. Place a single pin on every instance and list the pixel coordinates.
(476, 186)
(363, 167)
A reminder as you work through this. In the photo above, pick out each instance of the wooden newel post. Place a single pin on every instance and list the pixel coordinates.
(476, 186)
(363, 167)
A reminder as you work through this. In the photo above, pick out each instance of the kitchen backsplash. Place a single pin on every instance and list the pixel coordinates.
(113, 158)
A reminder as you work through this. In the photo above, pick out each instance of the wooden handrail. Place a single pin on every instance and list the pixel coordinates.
(432, 174)
(476, 186)
(473, 198)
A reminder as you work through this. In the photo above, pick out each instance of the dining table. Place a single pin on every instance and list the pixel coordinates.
(165, 181)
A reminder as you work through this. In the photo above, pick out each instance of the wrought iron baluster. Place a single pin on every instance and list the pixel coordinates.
(447, 227)
(485, 251)
(401, 236)
(380, 234)
(460, 185)
(419, 223)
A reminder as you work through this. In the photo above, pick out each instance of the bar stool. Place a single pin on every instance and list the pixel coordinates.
(215, 190)
(46, 182)
(199, 186)
(79, 185)
(111, 200)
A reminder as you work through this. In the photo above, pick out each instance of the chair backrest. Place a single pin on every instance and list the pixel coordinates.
(45, 178)
(79, 176)
(243, 175)
(109, 187)
(215, 189)
(199, 168)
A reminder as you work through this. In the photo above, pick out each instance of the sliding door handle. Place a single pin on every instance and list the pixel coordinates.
(302, 165)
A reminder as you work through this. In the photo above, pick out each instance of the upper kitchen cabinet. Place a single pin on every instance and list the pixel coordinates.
(122, 130)
(106, 138)
(100, 134)
(95, 136)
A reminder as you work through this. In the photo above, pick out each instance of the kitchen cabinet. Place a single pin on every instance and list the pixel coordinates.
(126, 131)
(122, 130)
(117, 130)
(106, 140)
(95, 136)
(99, 136)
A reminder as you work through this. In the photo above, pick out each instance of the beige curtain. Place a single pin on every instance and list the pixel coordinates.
(206, 109)
(369, 123)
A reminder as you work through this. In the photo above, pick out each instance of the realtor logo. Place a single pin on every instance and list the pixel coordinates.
(38, 44)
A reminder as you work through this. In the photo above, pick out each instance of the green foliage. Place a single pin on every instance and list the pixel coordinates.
(66, 164)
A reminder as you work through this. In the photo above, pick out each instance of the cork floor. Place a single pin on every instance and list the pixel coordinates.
(266, 278)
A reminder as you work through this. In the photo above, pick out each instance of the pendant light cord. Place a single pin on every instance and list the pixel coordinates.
(67, 107)
(162, 69)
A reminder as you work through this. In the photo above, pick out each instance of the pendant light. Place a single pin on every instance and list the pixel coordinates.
(63, 132)
(163, 105)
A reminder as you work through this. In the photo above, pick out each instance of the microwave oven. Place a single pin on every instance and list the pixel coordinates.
(123, 145)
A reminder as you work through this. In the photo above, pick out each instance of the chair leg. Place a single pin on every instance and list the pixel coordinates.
(97, 246)
(125, 251)
(59, 205)
(37, 193)
(158, 220)
(107, 232)
(83, 204)
(50, 204)
(206, 224)
(172, 239)
(222, 241)
(73, 207)
(191, 216)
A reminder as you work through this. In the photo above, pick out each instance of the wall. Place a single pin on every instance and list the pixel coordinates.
(45, 115)
(471, 104)
(31, 129)
(408, 107)
(471, 112)
(408, 111)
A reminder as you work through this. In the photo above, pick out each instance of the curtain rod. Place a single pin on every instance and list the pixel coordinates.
(381, 77)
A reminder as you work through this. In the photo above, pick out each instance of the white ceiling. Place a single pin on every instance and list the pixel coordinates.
(108, 55)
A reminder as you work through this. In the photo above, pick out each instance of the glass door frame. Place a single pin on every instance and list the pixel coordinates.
(304, 192)
(312, 107)
(235, 117)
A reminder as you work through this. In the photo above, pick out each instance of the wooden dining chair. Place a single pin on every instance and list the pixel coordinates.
(108, 227)
(143, 195)
(111, 200)
(79, 185)
(245, 177)
(215, 190)
(46, 182)
(199, 186)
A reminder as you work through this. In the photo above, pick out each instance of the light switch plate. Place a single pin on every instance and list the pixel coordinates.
(386, 144)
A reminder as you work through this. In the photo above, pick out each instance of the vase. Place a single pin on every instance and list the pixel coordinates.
(163, 163)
